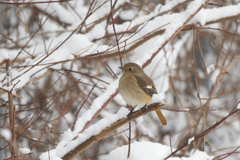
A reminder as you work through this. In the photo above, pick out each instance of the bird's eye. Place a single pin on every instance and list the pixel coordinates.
(130, 69)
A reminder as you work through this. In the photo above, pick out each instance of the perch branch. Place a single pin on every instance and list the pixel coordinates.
(95, 138)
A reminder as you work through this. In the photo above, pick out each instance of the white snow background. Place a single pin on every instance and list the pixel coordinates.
(81, 44)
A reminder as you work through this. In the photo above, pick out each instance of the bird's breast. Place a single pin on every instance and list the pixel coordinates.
(132, 93)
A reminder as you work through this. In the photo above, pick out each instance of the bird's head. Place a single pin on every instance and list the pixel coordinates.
(131, 69)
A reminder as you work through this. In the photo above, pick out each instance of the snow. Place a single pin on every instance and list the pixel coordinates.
(81, 45)
(176, 22)
(190, 140)
(91, 131)
(24, 150)
(97, 32)
(141, 151)
(153, 151)
(238, 106)
(6, 88)
(56, 10)
(6, 134)
(222, 12)
(66, 145)
(50, 155)
(215, 74)
(3, 55)
(198, 155)
(168, 6)
(96, 105)
(72, 45)
(158, 98)
(210, 68)
(127, 15)
(199, 18)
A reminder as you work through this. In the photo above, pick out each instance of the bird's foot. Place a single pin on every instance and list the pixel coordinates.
(129, 107)
(131, 111)
(144, 108)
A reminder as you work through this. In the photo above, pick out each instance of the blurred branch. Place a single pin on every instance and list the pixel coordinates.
(10, 92)
(225, 155)
(114, 75)
(142, 40)
(48, 106)
(19, 3)
(13, 145)
(115, 33)
(205, 132)
(173, 35)
(150, 36)
(149, 61)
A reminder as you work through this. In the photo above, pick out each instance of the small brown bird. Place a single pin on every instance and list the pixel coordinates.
(137, 88)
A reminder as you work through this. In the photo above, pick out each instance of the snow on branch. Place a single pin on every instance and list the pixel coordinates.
(96, 132)
(175, 27)
(173, 21)
(161, 23)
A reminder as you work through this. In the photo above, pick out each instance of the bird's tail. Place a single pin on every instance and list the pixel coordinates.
(161, 117)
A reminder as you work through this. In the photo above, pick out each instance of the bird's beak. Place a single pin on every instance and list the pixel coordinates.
(120, 67)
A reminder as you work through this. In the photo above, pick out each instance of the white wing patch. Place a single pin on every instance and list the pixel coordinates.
(149, 87)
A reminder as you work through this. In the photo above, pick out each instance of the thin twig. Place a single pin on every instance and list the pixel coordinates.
(205, 132)
(114, 75)
(115, 33)
(129, 140)
(82, 106)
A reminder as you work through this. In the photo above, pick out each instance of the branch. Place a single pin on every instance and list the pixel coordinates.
(150, 36)
(95, 138)
(234, 110)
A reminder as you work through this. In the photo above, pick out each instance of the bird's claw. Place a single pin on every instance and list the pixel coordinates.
(131, 111)
(144, 108)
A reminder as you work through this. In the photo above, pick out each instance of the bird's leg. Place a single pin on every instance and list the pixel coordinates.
(131, 111)
(144, 108)
(129, 107)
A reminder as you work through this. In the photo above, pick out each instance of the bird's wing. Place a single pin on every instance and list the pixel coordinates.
(146, 85)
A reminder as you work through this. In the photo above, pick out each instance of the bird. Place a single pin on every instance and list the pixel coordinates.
(137, 88)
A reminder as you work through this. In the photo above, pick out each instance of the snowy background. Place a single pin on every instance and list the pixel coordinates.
(64, 64)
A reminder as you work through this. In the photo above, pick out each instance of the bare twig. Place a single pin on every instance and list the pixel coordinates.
(82, 106)
(232, 112)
